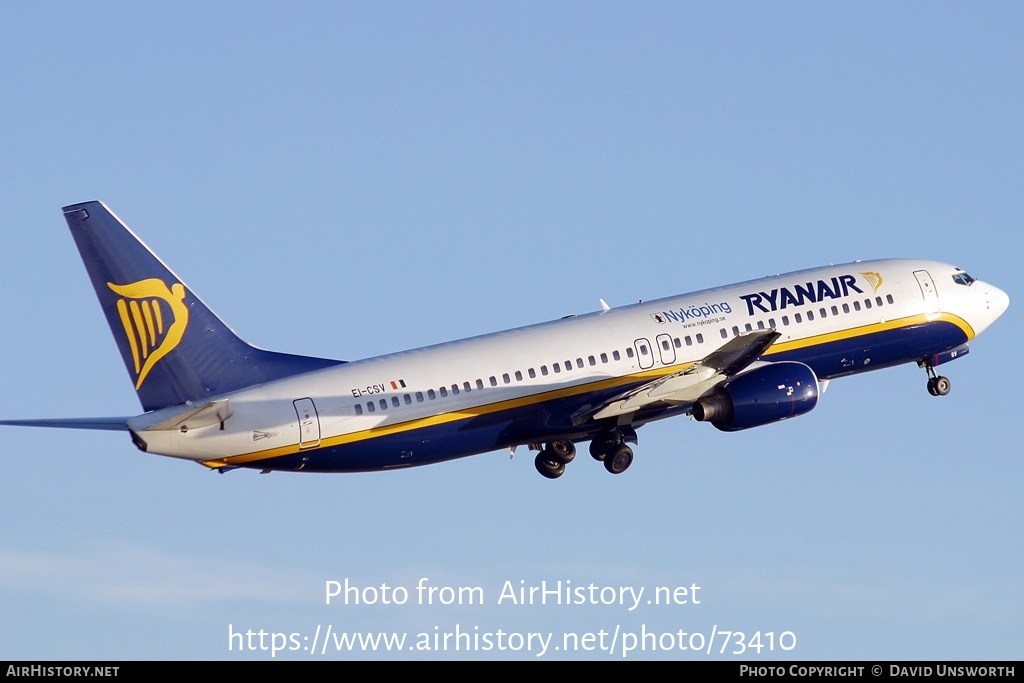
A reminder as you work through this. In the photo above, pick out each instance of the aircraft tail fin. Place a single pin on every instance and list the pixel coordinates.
(176, 349)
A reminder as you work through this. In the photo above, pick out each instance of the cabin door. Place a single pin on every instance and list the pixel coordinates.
(931, 299)
(309, 423)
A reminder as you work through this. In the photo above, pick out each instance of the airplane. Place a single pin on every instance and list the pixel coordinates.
(739, 356)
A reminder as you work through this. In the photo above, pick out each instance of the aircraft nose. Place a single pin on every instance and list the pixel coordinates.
(999, 301)
(993, 303)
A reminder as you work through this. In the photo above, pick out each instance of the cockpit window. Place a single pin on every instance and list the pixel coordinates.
(963, 278)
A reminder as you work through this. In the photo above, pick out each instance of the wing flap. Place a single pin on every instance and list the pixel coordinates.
(686, 386)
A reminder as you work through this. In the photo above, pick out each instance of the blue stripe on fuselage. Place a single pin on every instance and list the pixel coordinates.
(549, 420)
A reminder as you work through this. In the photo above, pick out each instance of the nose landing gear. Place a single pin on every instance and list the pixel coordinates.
(937, 384)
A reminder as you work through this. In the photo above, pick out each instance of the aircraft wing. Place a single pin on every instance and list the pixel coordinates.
(686, 386)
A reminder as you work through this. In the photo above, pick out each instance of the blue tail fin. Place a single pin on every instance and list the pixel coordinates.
(174, 347)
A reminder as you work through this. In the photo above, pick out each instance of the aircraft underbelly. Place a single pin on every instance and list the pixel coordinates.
(877, 350)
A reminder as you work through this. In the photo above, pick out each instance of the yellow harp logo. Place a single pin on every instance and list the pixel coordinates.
(154, 318)
(874, 279)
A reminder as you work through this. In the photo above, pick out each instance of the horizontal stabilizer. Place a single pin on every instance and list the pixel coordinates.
(214, 412)
(114, 424)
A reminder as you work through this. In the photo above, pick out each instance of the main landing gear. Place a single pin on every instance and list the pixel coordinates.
(937, 384)
(552, 460)
(608, 447)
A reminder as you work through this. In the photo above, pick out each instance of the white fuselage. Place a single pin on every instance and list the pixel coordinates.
(506, 389)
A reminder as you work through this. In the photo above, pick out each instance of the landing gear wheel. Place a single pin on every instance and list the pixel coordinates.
(562, 451)
(619, 460)
(603, 444)
(937, 384)
(552, 469)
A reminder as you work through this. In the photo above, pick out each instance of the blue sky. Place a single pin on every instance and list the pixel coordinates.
(348, 179)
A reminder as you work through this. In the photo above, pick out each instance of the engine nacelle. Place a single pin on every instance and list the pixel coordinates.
(766, 394)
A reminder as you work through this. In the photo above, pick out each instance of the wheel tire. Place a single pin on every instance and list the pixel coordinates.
(603, 444)
(551, 469)
(619, 461)
(942, 385)
(931, 386)
(562, 451)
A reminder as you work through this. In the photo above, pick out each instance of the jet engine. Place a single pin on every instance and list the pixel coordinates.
(760, 396)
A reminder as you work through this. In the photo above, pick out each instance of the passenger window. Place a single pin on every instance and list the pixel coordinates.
(431, 395)
(725, 333)
(592, 360)
(629, 352)
(383, 404)
(359, 409)
(444, 392)
(533, 373)
(419, 397)
(544, 370)
(798, 318)
(846, 308)
(493, 380)
(479, 384)
(579, 362)
(370, 408)
(888, 297)
(557, 368)
(506, 379)
(810, 315)
(408, 399)
(519, 376)
(568, 365)
(455, 390)
(604, 357)
(700, 338)
(395, 402)
(856, 305)
(835, 310)
(785, 320)
(615, 355)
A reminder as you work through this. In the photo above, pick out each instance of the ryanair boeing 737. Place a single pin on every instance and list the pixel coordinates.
(738, 356)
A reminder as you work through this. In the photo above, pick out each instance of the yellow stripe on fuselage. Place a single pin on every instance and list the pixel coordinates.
(612, 382)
